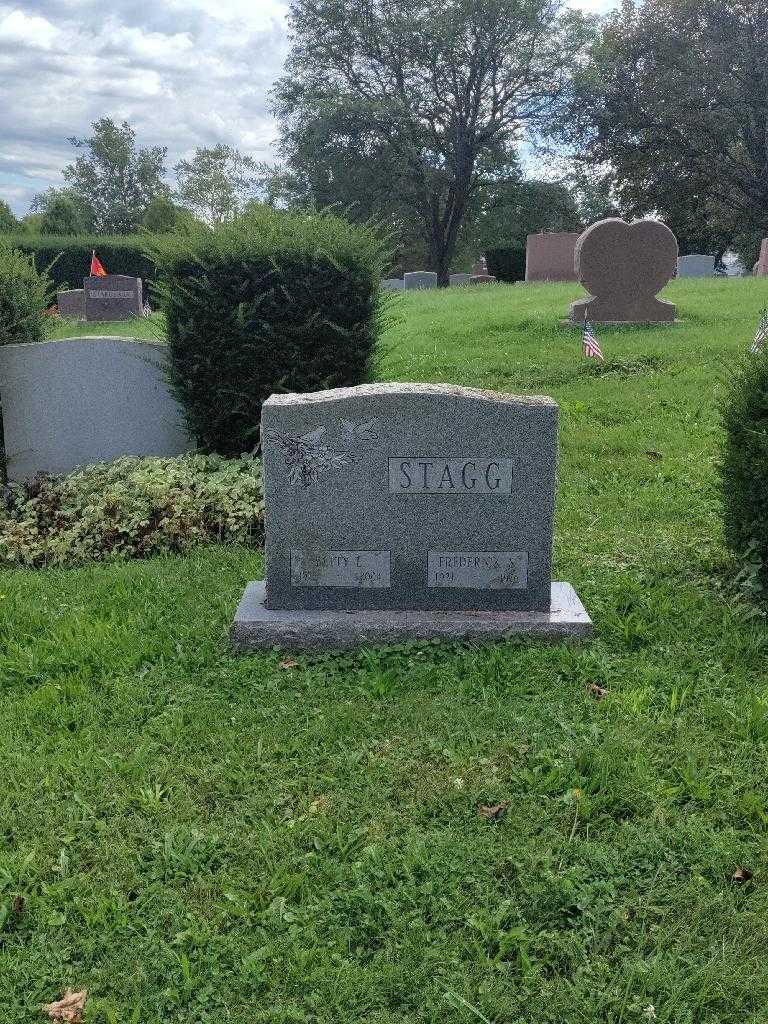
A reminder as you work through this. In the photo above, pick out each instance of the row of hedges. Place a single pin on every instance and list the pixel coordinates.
(69, 257)
(506, 263)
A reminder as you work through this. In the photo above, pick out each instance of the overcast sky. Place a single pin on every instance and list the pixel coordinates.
(185, 73)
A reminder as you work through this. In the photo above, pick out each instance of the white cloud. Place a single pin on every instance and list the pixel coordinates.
(184, 73)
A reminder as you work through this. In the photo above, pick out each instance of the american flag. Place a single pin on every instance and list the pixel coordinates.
(589, 343)
(762, 334)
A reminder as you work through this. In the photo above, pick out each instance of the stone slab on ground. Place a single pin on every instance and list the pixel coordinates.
(696, 265)
(258, 628)
(71, 304)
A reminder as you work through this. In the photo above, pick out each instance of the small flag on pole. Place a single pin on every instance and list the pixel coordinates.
(589, 343)
(97, 270)
(762, 334)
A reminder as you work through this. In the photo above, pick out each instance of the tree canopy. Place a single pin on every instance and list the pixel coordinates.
(217, 182)
(406, 107)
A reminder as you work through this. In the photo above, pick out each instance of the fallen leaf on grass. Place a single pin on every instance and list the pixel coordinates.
(654, 455)
(741, 875)
(492, 812)
(69, 1008)
(18, 906)
(598, 692)
(288, 664)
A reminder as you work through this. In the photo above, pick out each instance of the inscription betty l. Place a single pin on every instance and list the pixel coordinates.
(450, 476)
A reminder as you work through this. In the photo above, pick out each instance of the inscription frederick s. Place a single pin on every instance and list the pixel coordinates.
(409, 475)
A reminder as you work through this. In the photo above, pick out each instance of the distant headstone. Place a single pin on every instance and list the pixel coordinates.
(482, 279)
(696, 265)
(76, 401)
(407, 511)
(457, 280)
(549, 256)
(392, 284)
(761, 267)
(71, 304)
(419, 279)
(114, 297)
(480, 268)
(623, 266)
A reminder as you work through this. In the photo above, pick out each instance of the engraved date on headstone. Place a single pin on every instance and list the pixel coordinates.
(365, 569)
(412, 475)
(478, 570)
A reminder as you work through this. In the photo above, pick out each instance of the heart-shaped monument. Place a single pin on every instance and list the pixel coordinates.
(623, 266)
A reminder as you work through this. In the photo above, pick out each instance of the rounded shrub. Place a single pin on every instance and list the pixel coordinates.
(272, 302)
(507, 263)
(744, 469)
(25, 296)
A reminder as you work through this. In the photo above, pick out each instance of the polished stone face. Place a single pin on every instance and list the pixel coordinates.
(696, 265)
(761, 267)
(409, 497)
(71, 304)
(114, 297)
(624, 266)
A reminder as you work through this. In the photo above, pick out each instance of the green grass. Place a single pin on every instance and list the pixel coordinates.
(199, 838)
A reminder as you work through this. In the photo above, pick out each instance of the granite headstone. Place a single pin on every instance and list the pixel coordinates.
(623, 266)
(419, 279)
(457, 280)
(549, 256)
(392, 284)
(71, 304)
(761, 267)
(423, 509)
(113, 297)
(482, 279)
(696, 265)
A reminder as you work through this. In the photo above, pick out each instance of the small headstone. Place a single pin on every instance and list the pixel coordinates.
(696, 265)
(114, 297)
(419, 279)
(392, 284)
(407, 511)
(71, 304)
(549, 256)
(480, 267)
(761, 267)
(623, 266)
(457, 280)
(482, 279)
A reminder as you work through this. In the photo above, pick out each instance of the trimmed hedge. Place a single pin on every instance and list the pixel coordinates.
(744, 470)
(69, 257)
(25, 295)
(272, 302)
(507, 263)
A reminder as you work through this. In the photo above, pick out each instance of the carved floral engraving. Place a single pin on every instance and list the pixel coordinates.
(311, 455)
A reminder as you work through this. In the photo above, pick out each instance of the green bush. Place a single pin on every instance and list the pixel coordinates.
(25, 295)
(507, 263)
(744, 470)
(69, 257)
(132, 508)
(272, 302)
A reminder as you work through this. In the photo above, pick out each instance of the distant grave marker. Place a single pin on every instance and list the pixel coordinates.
(113, 297)
(549, 256)
(418, 280)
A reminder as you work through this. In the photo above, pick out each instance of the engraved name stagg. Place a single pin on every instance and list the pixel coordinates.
(408, 475)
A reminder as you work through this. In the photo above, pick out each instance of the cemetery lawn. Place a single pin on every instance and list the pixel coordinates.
(515, 834)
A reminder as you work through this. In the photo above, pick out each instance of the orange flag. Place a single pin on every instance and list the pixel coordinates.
(97, 270)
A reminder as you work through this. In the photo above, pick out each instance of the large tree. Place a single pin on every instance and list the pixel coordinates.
(61, 212)
(114, 179)
(673, 104)
(217, 182)
(412, 100)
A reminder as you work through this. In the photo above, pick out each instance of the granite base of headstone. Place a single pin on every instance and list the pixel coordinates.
(419, 280)
(400, 512)
(623, 266)
(71, 304)
(113, 298)
(482, 279)
(458, 280)
(392, 284)
(549, 256)
(696, 265)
